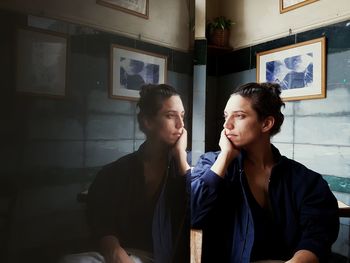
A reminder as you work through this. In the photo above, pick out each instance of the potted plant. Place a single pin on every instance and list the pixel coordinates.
(219, 31)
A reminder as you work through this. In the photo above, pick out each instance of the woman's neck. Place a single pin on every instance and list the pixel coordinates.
(260, 155)
(155, 151)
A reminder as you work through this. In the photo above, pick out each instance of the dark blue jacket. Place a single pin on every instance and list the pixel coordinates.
(118, 205)
(304, 209)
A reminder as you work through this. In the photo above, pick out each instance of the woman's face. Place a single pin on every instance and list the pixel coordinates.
(242, 126)
(167, 125)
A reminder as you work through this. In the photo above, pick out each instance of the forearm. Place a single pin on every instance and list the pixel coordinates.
(303, 256)
(181, 159)
(222, 162)
(204, 193)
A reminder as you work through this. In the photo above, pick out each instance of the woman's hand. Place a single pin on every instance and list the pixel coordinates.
(303, 256)
(227, 146)
(227, 154)
(113, 252)
(179, 153)
(181, 143)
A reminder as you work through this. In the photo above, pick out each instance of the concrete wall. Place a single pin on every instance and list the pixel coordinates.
(174, 33)
(51, 149)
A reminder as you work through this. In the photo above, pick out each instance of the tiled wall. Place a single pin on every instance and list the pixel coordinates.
(315, 132)
(52, 148)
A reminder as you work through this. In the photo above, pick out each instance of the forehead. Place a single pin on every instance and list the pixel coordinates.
(238, 103)
(174, 103)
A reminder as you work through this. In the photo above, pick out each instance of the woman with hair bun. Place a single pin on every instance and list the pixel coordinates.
(138, 205)
(252, 203)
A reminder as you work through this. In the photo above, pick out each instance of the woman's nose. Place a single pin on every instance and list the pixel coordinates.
(180, 123)
(228, 124)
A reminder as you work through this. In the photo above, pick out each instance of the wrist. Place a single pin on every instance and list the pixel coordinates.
(109, 244)
(227, 155)
(221, 163)
(181, 159)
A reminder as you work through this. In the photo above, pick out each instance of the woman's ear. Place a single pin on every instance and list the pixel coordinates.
(268, 124)
(147, 124)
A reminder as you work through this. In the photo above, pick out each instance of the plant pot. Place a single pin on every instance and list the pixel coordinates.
(220, 37)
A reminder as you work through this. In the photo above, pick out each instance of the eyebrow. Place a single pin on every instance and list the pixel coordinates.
(236, 111)
(173, 111)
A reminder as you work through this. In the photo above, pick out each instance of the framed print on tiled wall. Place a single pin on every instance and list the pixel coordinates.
(41, 62)
(131, 68)
(299, 69)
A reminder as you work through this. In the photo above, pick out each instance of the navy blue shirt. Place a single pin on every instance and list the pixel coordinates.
(304, 210)
(268, 238)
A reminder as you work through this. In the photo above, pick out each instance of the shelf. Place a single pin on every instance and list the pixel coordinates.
(218, 50)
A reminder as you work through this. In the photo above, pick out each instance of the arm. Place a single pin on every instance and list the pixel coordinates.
(112, 251)
(206, 179)
(101, 212)
(303, 256)
(318, 220)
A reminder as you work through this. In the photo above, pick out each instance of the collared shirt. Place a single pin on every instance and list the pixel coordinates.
(304, 209)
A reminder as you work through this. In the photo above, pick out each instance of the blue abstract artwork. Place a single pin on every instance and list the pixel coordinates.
(134, 73)
(292, 72)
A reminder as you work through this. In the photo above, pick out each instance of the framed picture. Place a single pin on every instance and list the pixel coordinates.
(41, 59)
(132, 68)
(299, 69)
(287, 5)
(135, 7)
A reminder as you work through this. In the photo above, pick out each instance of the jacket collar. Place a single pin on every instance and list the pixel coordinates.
(243, 154)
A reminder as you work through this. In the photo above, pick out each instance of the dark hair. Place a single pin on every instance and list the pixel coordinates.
(151, 100)
(266, 101)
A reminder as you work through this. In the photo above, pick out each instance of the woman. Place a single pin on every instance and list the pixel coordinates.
(137, 205)
(252, 203)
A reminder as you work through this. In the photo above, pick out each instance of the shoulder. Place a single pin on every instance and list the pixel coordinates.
(298, 169)
(119, 169)
(301, 176)
(125, 161)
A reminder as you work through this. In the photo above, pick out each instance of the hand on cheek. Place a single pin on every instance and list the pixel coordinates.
(179, 152)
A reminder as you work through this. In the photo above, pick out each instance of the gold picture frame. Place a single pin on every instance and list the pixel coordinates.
(41, 62)
(288, 5)
(300, 69)
(136, 7)
(131, 68)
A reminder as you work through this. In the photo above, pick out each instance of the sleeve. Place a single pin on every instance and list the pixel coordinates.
(100, 207)
(205, 185)
(318, 218)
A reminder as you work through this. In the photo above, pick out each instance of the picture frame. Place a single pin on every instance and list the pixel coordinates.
(135, 7)
(300, 69)
(288, 5)
(131, 68)
(41, 62)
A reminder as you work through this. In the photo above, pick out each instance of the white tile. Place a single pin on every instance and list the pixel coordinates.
(286, 133)
(327, 160)
(330, 130)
